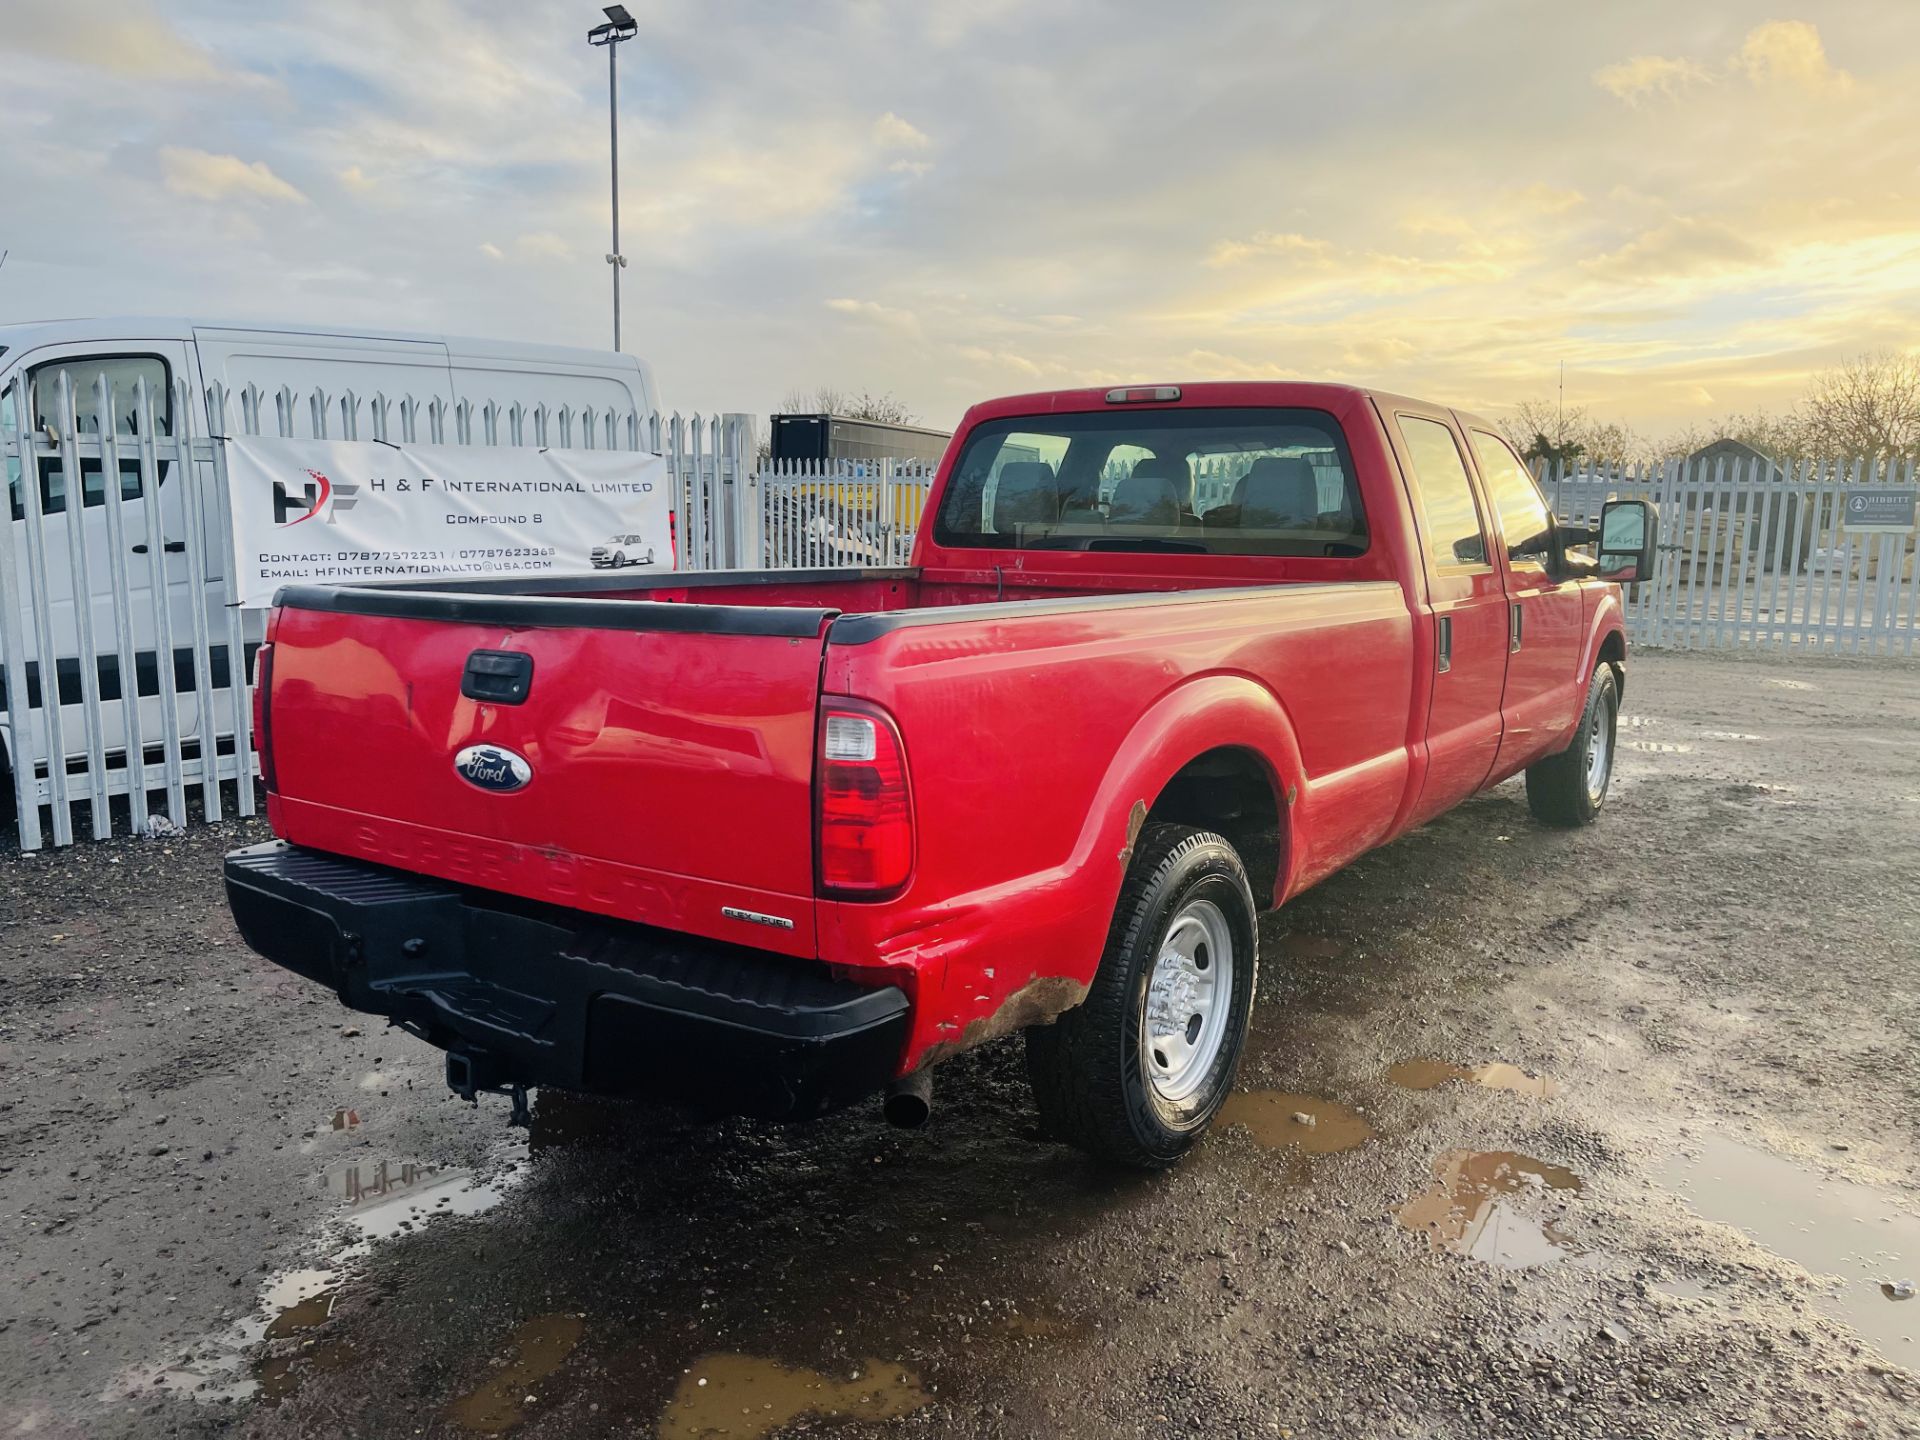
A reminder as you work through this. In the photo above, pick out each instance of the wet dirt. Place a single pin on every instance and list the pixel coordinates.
(744, 1397)
(1485, 1205)
(1305, 1123)
(1427, 1074)
(1729, 952)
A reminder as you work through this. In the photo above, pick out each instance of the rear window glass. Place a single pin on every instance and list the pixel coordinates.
(1205, 482)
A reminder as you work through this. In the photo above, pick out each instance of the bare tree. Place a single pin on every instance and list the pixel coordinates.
(1542, 430)
(1869, 406)
(826, 400)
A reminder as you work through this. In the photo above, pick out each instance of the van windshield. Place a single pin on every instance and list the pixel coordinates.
(1200, 481)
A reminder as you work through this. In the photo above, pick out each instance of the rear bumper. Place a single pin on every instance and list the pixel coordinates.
(535, 994)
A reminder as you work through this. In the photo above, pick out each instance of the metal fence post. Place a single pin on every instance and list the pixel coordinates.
(13, 651)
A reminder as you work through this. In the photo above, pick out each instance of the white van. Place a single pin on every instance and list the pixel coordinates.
(166, 352)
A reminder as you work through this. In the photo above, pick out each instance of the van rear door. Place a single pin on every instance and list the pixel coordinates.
(76, 528)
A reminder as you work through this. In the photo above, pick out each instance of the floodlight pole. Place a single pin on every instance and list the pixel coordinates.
(619, 27)
(616, 259)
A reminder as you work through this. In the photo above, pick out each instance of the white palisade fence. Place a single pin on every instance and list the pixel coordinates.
(1756, 555)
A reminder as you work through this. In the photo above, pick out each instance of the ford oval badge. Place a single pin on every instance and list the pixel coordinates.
(492, 767)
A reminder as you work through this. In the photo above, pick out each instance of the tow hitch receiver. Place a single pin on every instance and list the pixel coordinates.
(469, 1076)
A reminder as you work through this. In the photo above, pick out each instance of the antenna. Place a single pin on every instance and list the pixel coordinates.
(1562, 421)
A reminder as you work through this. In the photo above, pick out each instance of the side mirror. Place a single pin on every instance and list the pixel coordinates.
(1629, 531)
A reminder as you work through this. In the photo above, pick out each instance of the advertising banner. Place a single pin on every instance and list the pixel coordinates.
(340, 511)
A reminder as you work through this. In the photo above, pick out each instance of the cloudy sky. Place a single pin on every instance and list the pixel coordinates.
(1691, 205)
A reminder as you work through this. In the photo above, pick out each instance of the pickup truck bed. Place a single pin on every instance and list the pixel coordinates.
(776, 839)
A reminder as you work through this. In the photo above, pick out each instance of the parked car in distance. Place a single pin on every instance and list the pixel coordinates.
(772, 842)
(619, 551)
(167, 353)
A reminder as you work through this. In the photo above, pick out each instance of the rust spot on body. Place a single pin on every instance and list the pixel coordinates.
(1040, 1001)
(1136, 818)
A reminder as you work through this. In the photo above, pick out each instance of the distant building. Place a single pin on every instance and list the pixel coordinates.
(818, 438)
(1740, 458)
(1771, 522)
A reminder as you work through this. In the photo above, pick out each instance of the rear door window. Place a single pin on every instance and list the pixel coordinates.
(9, 431)
(1455, 534)
(1524, 520)
(123, 373)
(1252, 481)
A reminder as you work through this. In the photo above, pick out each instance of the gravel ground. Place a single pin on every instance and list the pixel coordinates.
(1671, 1216)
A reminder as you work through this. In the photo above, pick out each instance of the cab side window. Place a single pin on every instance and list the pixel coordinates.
(122, 372)
(1449, 514)
(1524, 519)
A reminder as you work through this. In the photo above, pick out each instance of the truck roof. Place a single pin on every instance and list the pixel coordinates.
(1314, 394)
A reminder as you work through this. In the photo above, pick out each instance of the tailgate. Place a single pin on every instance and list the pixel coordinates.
(667, 772)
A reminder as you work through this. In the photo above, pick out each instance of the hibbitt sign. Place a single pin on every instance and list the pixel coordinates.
(337, 511)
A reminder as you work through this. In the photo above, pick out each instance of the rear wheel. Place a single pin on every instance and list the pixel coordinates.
(1137, 1071)
(1569, 788)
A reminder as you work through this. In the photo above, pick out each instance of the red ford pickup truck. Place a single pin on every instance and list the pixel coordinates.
(771, 842)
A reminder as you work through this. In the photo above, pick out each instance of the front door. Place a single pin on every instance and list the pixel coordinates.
(1546, 614)
(1467, 608)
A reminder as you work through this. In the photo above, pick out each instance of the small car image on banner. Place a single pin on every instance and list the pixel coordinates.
(341, 511)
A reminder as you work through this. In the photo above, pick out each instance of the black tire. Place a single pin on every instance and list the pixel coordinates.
(619, 559)
(1562, 789)
(1088, 1069)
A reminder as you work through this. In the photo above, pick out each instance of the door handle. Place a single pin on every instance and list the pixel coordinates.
(1514, 626)
(172, 547)
(1443, 651)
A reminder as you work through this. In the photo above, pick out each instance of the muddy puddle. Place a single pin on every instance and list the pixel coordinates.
(1299, 945)
(745, 1396)
(1305, 1122)
(1042, 1329)
(1863, 1241)
(376, 1199)
(537, 1349)
(1632, 724)
(1494, 1206)
(1429, 1074)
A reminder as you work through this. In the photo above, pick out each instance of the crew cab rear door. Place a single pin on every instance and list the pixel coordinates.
(1467, 606)
(644, 760)
(1546, 612)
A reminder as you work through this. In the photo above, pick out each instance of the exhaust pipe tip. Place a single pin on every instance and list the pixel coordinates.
(909, 1101)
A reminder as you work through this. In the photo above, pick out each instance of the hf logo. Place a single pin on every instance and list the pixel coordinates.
(290, 507)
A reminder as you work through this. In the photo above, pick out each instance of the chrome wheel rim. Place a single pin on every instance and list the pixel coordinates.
(1184, 1022)
(1599, 753)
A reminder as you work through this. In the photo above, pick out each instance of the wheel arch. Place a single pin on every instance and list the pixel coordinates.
(1217, 752)
(1606, 641)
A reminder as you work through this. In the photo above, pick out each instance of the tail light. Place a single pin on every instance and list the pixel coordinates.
(263, 715)
(864, 807)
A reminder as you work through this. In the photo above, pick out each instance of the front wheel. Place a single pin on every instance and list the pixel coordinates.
(1569, 788)
(1136, 1073)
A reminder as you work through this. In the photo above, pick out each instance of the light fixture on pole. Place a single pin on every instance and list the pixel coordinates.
(620, 26)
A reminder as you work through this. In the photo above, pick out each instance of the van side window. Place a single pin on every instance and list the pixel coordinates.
(1516, 499)
(122, 372)
(1449, 515)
